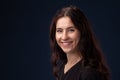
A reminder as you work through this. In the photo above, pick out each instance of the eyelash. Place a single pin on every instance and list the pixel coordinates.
(58, 30)
(70, 30)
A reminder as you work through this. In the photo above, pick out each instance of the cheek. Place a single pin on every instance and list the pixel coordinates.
(77, 38)
(57, 37)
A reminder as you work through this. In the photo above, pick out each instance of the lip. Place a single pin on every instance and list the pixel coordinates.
(68, 43)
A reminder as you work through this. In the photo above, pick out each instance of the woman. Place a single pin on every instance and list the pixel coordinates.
(75, 52)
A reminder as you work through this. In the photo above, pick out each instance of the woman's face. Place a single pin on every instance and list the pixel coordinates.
(67, 36)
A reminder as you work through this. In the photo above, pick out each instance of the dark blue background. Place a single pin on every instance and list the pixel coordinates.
(24, 35)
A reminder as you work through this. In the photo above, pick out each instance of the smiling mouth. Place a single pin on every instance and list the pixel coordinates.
(66, 43)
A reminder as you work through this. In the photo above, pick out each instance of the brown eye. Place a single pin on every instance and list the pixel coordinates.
(59, 30)
(71, 30)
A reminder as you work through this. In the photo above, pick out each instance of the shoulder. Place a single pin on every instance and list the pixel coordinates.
(91, 74)
(60, 68)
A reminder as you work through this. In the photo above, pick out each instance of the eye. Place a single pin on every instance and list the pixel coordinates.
(59, 30)
(71, 30)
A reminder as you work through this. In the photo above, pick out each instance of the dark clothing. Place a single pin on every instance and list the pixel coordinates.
(77, 72)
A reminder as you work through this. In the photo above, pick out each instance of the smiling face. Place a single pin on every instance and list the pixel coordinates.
(67, 36)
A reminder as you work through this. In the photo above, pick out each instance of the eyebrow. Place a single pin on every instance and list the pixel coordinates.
(67, 27)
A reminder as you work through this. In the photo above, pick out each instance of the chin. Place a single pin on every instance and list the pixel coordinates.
(67, 51)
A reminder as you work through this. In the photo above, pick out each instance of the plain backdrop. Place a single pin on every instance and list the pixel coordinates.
(24, 35)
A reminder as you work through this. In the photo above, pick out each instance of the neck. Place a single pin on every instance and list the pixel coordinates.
(73, 58)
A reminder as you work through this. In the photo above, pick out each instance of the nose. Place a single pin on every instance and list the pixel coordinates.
(64, 36)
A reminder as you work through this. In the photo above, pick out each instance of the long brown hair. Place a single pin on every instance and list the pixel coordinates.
(90, 50)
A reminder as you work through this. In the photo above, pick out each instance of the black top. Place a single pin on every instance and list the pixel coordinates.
(77, 72)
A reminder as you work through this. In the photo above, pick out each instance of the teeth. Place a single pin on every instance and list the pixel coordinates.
(66, 43)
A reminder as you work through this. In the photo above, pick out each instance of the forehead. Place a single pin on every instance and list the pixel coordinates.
(64, 22)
